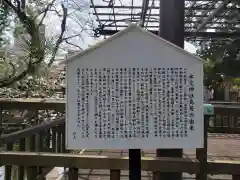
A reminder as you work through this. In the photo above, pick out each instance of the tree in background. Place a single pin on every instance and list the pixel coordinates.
(4, 24)
(223, 54)
(34, 75)
(30, 16)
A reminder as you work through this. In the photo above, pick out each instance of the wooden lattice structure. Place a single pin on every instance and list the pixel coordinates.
(204, 20)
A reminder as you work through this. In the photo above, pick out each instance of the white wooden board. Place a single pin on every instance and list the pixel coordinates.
(138, 103)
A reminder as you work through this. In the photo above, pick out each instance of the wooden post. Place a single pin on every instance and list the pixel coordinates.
(235, 177)
(73, 174)
(115, 174)
(201, 153)
(8, 168)
(31, 170)
(48, 138)
(63, 149)
(172, 29)
(134, 164)
(58, 136)
(21, 168)
(41, 149)
(1, 113)
(54, 142)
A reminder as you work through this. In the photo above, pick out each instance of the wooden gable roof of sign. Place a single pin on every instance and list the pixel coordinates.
(131, 28)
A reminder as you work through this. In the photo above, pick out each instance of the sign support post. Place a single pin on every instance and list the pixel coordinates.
(134, 164)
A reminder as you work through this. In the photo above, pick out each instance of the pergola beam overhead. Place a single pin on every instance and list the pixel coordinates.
(109, 32)
(212, 15)
(135, 20)
(155, 7)
(203, 18)
(153, 27)
(143, 12)
(152, 14)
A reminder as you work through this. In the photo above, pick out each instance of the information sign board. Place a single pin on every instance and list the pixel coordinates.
(134, 104)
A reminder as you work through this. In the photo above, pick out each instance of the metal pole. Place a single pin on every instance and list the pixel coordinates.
(134, 164)
(171, 28)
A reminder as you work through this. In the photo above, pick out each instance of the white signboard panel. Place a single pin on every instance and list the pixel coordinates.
(134, 104)
(133, 107)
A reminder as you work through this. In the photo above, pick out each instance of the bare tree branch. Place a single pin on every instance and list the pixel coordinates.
(13, 69)
(31, 23)
(46, 11)
(11, 64)
(56, 11)
(60, 38)
(73, 36)
(73, 44)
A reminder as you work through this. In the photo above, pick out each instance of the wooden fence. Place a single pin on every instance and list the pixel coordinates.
(42, 147)
(227, 118)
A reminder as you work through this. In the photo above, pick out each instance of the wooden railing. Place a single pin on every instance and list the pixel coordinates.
(42, 147)
(12, 127)
(44, 135)
(226, 119)
(35, 139)
(18, 110)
